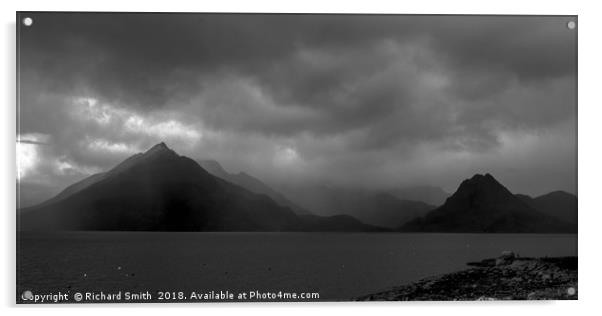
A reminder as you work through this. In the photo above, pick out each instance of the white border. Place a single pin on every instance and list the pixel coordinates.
(590, 136)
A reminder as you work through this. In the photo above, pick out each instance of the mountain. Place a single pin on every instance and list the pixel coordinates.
(250, 183)
(336, 223)
(29, 194)
(558, 204)
(482, 205)
(374, 208)
(383, 209)
(160, 190)
(427, 194)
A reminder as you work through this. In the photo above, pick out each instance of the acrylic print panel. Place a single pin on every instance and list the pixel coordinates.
(295, 157)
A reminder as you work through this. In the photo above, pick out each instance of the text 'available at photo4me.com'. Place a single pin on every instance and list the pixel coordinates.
(166, 296)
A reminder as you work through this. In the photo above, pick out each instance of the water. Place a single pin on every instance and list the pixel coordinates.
(339, 266)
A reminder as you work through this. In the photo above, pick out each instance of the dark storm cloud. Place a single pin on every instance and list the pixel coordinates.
(308, 94)
(149, 59)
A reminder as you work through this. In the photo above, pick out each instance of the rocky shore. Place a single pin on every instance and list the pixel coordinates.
(508, 277)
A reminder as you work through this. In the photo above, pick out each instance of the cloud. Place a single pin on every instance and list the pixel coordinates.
(148, 60)
(386, 100)
(92, 136)
(27, 158)
(101, 145)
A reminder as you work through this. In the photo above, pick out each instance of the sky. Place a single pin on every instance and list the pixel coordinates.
(370, 101)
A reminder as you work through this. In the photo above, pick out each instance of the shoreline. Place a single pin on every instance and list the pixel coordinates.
(508, 277)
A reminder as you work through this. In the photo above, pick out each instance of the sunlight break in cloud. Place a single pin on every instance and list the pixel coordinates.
(166, 129)
(161, 126)
(117, 148)
(286, 156)
(28, 157)
(64, 166)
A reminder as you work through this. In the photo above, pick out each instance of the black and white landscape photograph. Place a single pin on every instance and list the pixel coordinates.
(230, 157)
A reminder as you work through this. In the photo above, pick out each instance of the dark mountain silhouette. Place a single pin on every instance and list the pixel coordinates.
(427, 194)
(252, 184)
(161, 191)
(558, 204)
(375, 208)
(482, 205)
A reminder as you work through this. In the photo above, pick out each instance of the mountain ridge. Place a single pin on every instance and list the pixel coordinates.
(431, 195)
(252, 184)
(483, 205)
(378, 208)
(559, 204)
(160, 190)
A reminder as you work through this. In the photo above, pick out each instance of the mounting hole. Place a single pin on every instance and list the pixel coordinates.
(571, 25)
(27, 295)
(27, 21)
(571, 291)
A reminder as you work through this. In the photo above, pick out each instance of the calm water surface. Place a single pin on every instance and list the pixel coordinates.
(339, 266)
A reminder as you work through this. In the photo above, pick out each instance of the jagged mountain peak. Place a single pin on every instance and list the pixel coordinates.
(250, 183)
(482, 178)
(160, 148)
(159, 190)
(213, 167)
(484, 187)
(484, 192)
(157, 151)
(482, 204)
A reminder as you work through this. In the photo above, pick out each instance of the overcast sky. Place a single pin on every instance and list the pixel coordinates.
(373, 101)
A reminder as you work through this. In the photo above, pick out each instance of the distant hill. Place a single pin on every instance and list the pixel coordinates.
(428, 194)
(337, 223)
(482, 205)
(29, 194)
(250, 183)
(375, 208)
(558, 204)
(383, 209)
(160, 190)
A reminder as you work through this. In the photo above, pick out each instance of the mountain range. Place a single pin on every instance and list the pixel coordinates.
(378, 208)
(252, 184)
(159, 190)
(482, 205)
(428, 194)
(374, 208)
(558, 204)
